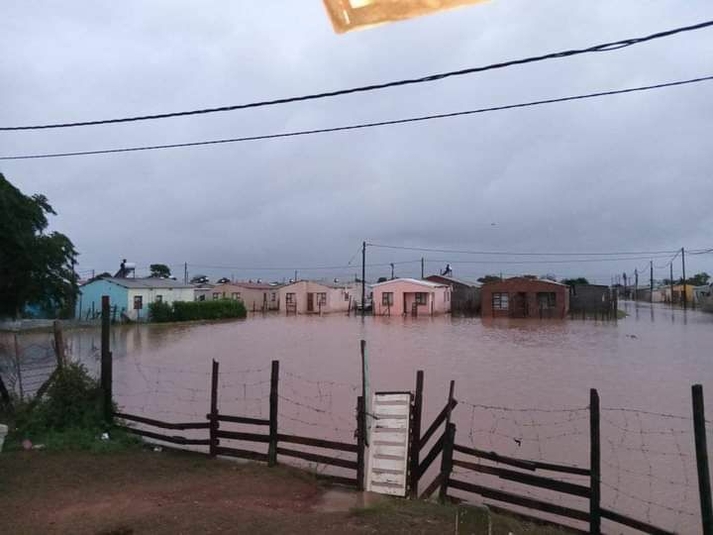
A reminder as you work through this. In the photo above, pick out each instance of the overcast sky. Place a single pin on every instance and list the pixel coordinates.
(622, 173)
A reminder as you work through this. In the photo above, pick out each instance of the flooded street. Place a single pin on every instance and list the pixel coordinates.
(523, 385)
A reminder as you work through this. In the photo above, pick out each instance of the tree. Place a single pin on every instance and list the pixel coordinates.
(572, 282)
(699, 279)
(489, 278)
(35, 268)
(160, 271)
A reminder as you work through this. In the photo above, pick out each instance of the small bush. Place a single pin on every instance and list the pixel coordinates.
(197, 310)
(160, 312)
(69, 416)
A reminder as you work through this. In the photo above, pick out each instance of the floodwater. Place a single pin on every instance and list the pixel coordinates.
(523, 386)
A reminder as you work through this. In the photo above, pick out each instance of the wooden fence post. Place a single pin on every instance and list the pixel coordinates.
(213, 416)
(58, 343)
(704, 482)
(595, 518)
(449, 437)
(106, 362)
(451, 390)
(361, 433)
(274, 379)
(415, 438)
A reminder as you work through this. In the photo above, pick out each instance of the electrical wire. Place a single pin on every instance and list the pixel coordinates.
(515, 253)
(604, 47)
(356, 126)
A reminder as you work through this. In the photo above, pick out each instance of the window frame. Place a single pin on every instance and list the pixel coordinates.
(421, 298)
(500, 301)
(387, 299)
(138, 300)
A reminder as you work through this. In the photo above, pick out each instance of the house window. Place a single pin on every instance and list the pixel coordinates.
(290, 299)
(546, 299)
(235, 296)
(216, 295)
(159, 298)
(273, 297)
(346, 296)
(421, 298)
(138, 302)
(322, 299)
(387, 299)
(500, 301)
(201, 297)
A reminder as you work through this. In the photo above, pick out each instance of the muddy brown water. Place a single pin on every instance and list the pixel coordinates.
(523, 386)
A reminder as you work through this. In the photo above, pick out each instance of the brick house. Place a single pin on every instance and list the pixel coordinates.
(524, 297)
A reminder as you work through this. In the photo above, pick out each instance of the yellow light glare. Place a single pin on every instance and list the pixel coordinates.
(348, 15)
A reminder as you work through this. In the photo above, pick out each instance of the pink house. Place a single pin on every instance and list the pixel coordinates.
(411, 296)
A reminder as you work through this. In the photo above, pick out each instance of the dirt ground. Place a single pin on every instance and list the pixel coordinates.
(141, 491)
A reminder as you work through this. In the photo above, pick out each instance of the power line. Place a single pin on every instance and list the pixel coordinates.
(515, 253)
(357, 126)
(604, 47)
(546, 262)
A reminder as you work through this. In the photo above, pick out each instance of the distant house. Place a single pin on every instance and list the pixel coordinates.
(202, 291)
(131, 297)
(592, 298)
(255, 295)
(411, 296)
(701, 293)
(524, 297)
(310, 297)
(465, 296)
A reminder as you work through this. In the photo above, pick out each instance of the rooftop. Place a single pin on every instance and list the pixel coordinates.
(145, 283)
(428, 284)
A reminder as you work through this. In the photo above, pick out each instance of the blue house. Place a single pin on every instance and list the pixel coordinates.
(129, 298)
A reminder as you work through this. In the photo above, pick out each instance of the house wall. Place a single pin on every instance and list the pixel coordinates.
(404, 292)
(337, 298)
(253, 298)
(531, 287)
(465, 299)
(168, 295)
(89, 300)
(589, 297)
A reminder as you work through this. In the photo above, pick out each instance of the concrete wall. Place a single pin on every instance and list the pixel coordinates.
(528, 305)
(89, 299)
(148, 295)
(337, 298)
(253, 297)
(590, 297)
(438, 298)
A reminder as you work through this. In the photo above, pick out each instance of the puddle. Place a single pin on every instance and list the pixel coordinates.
(343, 500)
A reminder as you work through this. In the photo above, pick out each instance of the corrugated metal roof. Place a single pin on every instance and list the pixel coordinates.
(145, 283)
(428, 284)
(456, 281)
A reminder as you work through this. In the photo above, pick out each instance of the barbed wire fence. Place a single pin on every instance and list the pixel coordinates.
(648, 463)
(649, 467)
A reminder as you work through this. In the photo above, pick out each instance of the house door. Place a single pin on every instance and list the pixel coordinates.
(519, 308)
(310, 302)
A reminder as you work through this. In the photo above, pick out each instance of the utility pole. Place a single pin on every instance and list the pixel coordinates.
(295, 279)
(363, 279)
(651, 281)
(185, 273)
(392, 270)
(423, 275)
(626, 295)
(683, 268)
(636, 284)
(670, 280)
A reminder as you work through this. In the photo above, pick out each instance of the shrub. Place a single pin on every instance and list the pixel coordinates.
(69, 416)
(160, 312)
(197, 310)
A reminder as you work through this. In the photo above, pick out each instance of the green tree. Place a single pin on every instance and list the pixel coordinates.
(572, 282)
(35, 267)
(160, 271)
(699, 279)
(489, 278)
